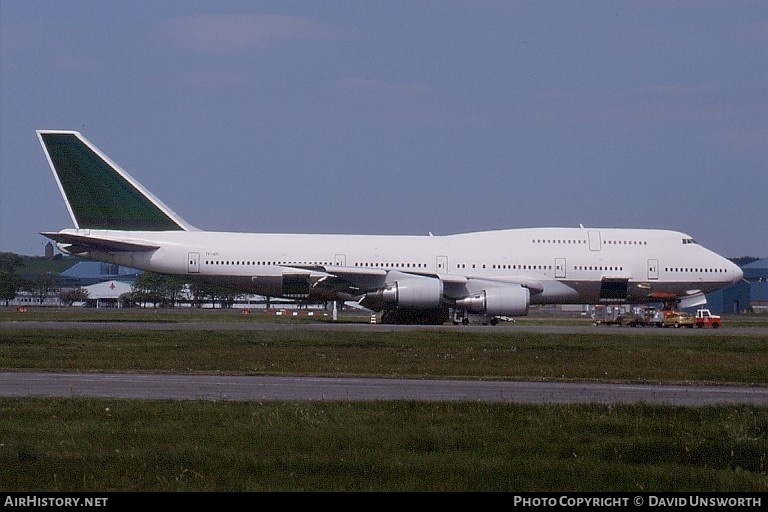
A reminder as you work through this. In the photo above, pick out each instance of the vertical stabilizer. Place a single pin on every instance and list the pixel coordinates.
(98, 193)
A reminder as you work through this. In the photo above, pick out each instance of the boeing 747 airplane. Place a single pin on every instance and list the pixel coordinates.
(410, 279)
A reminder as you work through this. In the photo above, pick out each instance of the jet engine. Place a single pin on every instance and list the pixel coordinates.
(509, 300)
(411, 291)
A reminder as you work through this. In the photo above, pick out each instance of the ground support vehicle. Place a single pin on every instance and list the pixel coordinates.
(647, 317)
(678, 319)
(704, 318)
(608, 315)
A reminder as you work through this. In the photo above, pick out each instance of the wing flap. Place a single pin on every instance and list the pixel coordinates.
(354, 271)
(526, 282)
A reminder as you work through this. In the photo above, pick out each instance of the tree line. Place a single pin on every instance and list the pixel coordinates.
(148, 288)
(39, 285)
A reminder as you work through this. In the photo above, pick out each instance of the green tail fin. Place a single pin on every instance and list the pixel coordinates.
(98, 193)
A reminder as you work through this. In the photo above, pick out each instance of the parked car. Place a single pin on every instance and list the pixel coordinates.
(679, 319)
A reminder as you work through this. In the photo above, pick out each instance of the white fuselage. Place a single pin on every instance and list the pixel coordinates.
(562, 265)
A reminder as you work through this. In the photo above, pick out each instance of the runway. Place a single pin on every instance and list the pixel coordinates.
(261, 388)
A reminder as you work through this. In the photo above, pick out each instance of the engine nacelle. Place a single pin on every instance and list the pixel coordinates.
(413, 292)
(501, 301)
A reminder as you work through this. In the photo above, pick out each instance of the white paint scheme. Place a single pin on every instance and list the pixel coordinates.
(497, 273)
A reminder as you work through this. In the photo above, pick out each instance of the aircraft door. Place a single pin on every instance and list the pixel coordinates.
(442, 264)
(559, 268)
(340, 260)
(594, 241)
(613, 289)
(653, 269)
(193, 265)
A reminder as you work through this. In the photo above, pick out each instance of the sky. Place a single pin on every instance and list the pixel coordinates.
(398, 117)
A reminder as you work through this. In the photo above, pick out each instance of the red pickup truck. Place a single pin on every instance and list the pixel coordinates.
(704, 318)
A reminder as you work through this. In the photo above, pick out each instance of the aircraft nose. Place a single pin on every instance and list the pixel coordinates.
(737, 274)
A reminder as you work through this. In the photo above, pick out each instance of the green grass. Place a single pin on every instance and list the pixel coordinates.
(120, 445)
(631, 357)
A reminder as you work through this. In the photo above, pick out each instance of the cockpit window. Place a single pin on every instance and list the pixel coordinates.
(688, 241)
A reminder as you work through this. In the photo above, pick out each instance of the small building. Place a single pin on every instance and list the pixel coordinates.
(106, 294)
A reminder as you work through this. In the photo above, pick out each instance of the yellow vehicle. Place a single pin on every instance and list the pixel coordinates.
(678, 319)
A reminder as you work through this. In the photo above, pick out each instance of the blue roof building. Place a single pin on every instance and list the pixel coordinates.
(734, 299)
(751, 293)
(756, 274)
(86, 273)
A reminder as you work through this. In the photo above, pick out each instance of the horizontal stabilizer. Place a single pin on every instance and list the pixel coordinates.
(80, 244)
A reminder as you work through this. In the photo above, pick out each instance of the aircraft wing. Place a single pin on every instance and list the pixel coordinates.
(79, 244)
(360, 282)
